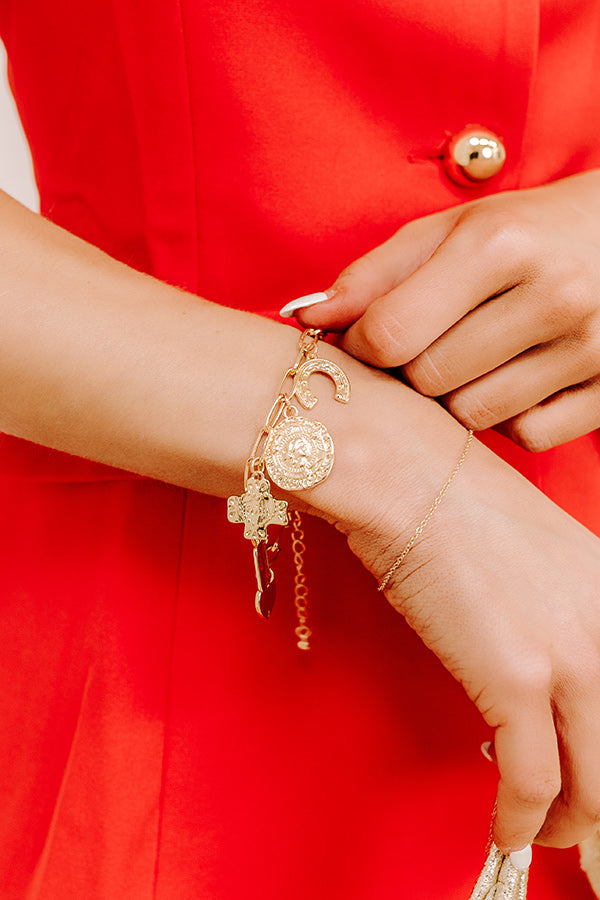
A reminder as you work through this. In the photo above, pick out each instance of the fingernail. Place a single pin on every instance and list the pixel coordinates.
(521, 859)
(486, 750)
(302, 302)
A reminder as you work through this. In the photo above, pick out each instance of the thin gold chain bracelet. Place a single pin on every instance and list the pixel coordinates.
(295, 453)
(423, 523)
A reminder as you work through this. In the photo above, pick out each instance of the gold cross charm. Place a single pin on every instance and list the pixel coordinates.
(257, 509)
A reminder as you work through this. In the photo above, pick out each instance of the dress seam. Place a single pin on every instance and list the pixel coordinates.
(530, 94)
(194, 147)
(37, 880)
(161, 800)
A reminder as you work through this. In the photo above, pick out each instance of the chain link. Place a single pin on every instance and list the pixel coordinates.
(422, 525)
(302, 632)
(256, 478)
(307, 349)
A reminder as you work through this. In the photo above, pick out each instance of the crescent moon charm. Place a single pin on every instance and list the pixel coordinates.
(304, 393)
(298, 454)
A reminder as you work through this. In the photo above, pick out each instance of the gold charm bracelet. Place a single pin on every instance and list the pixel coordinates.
(295, 453)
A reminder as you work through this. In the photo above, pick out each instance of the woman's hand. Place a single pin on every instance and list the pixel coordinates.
(100, 361)
(505, 589)
(494, 306)
(503, 586)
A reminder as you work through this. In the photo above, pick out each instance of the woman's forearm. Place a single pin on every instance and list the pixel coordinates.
(101, 361)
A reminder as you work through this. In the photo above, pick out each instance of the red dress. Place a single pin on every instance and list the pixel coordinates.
(156, 738)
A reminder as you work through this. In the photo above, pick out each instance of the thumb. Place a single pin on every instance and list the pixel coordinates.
(373, 275)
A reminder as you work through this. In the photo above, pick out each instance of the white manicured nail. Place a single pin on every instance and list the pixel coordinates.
(521, 859)
(302, 302)
(485, 749)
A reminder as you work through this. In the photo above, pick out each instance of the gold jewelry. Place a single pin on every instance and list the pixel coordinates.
(421, 526)
(504, 876)
(297, 454)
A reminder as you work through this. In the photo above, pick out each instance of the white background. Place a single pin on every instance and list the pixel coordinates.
(16, 175)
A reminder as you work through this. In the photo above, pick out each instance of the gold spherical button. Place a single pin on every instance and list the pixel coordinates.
(473, 155)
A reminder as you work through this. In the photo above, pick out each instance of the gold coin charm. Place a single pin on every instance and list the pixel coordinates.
(298, 454)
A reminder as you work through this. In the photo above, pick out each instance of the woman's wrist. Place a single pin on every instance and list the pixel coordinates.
(100, 361)
(394, 449)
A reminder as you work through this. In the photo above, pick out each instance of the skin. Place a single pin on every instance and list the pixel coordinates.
(492, 306)
(103, 362)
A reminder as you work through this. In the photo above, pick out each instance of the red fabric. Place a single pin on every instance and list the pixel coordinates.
(157, 738)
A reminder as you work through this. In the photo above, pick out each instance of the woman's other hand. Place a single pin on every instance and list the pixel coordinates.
(494, 306)
(504, 588)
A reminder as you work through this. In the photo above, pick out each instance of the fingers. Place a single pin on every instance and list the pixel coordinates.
(549, 762)
(561, 418)
(487, 337)
(467, 268)
(520, 384)
(378, 272)
(512, 360)
(528, 760)
(576, 811)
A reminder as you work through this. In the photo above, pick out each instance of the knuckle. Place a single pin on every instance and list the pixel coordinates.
(381, 336)
(528, 679)
(535, 792)
(426, 374)
(502, 233)
(471, 410)
(530, 432)
(577, 294)
(572, 298)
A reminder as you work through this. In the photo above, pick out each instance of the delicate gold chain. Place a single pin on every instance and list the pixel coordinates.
(303, 632)
(423, 524)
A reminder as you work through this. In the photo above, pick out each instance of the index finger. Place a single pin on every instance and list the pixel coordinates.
(530, 778)
(377, 272)
(476, 261)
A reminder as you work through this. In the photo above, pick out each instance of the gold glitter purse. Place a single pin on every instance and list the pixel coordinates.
(501, 879)
(504, 877)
